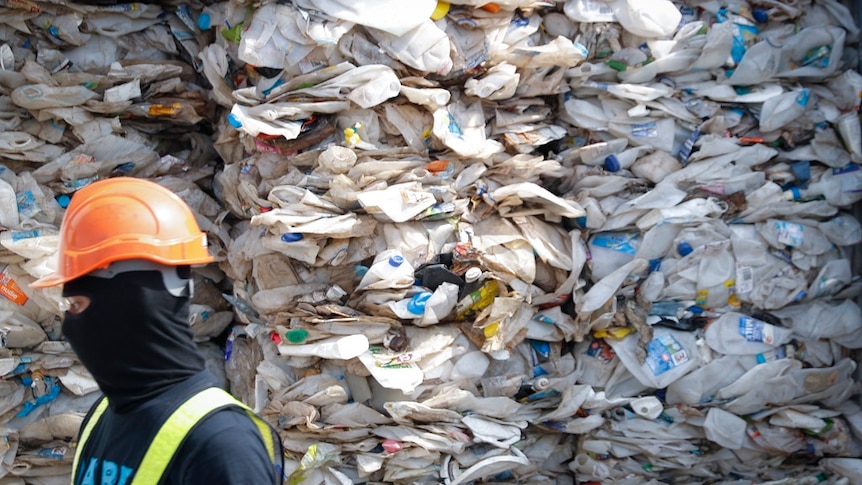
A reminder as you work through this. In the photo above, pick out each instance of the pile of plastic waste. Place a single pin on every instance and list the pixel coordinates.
(563, 242)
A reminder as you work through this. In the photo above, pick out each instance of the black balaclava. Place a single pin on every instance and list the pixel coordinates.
(134, 337)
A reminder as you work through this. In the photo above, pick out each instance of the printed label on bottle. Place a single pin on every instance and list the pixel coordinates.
(778, 353)
(617, 242)
(600, 350)
(732, 297)
(852, 167)
(648, 130)
(595, 6)
(790, 234)
(79, 183)
(744, 278)
(701, 297)
(802, 97)
(11, 290)
(542, 318)
(817, 57)
(19, 235)
(27, 204)
(665, 353)
(57, 453)
(756, 331)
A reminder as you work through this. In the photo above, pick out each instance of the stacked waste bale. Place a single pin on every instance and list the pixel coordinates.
(524, 242)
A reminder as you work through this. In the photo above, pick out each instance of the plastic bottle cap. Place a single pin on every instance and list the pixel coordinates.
(792, 194)
(416, 305)
(296, 335)
(291, 237)
(472, 274)
(204, 21)
(541, 383)
(395, 260)
(760, 15)
(684, 248)
(64, 200)
(360, 270)
(234, 121)
(395, 343)
(612, 164)
(392, 446)
(440, 10)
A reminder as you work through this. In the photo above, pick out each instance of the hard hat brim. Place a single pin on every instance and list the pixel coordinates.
(48, 281)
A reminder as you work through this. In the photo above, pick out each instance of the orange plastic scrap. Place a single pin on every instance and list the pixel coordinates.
(164, 110)
(437, 166)
(23, 5)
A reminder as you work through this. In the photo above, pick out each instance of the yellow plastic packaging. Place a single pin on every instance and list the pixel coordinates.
(474, 302)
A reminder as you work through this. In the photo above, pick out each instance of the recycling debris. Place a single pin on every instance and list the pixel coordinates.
(587, 241)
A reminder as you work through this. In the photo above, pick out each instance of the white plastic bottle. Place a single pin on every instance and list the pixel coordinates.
(440, 304)
(745, 183)
(432, 98)
(737, 334)
(42, 96)
(241, 118)
(8, 206)
(610, 250)
(624, 159)
(843, 229)
(212, 16)
(498, 83)
(411, 308)
(807, 239)
(388, 271)
(783, 109)
(595, 153)
(656, 166)
(341, 348)
(840, 187)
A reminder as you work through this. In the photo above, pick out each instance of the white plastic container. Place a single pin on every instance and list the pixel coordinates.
(725, 429)
(470, 366)
(656, 166)
(595, 153)
(341, 348)
(610, 250)
(624, 159)
(388, 271)
(670, 355)
(411, 308)
(780, 233)
(781, 110)
(840, 187)
(241, 119)
(738, 334)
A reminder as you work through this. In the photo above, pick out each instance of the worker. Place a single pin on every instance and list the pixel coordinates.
(126, 250)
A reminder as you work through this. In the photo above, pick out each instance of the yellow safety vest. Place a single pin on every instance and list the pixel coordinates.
(174, 430)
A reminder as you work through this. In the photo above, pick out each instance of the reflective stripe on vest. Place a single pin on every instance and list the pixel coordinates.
(169, 437)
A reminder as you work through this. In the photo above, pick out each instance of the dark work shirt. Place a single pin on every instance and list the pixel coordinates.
(224, 447)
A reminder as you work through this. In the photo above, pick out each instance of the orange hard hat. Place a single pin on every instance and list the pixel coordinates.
(125, 218)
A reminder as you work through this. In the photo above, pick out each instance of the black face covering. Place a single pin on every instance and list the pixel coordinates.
(134, 337)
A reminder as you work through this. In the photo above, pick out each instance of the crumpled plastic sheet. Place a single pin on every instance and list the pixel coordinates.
(655, 305)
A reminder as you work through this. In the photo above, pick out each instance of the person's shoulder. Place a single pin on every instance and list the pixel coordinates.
(225, 447)
(230, 426)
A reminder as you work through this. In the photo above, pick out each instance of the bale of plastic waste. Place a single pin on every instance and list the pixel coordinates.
(597, 241)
